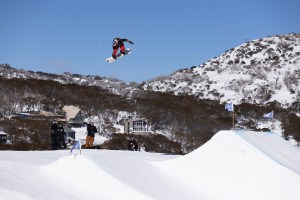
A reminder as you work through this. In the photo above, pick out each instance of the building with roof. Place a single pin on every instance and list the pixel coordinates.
(74, 116)
(136, 126)
(43, 115)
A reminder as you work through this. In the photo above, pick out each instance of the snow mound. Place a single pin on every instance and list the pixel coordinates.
(275, 147)
(233, 165)
(81, 176)
(236, 169)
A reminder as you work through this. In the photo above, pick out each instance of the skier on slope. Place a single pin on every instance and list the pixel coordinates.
(119, 43)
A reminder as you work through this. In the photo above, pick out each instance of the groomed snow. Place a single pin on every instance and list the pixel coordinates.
(232, 165)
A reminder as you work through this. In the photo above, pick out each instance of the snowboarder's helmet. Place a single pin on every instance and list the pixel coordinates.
(116, 40)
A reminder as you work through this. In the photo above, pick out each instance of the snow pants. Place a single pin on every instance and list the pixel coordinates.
(89, 141)
(122, 47)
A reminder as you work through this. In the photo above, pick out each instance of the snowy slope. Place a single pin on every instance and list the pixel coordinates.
(272, 144)
(258, 71)
(111, 84)
(226, 167)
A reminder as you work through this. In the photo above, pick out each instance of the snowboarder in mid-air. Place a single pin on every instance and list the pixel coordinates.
(119, 43)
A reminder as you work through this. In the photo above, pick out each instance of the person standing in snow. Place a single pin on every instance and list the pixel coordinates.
(61, 137)
(119, 43)
(132, 145)
(91, 129)
(54, 135)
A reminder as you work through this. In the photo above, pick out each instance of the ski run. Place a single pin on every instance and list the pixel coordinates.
(233, 165)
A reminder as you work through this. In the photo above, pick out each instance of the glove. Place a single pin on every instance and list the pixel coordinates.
(130, 42)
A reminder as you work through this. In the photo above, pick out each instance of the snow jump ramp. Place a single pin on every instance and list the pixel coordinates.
(275, 147)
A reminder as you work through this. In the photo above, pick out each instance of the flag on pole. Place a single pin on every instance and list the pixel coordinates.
(76, 146)
(229, 107)
(269, 115)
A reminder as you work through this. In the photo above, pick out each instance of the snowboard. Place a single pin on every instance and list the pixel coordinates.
(119, 55)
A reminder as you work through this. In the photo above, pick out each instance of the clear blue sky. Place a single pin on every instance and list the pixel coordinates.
(75, 36)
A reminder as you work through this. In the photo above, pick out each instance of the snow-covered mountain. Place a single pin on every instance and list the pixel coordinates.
(258, 71)
(111, 84)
